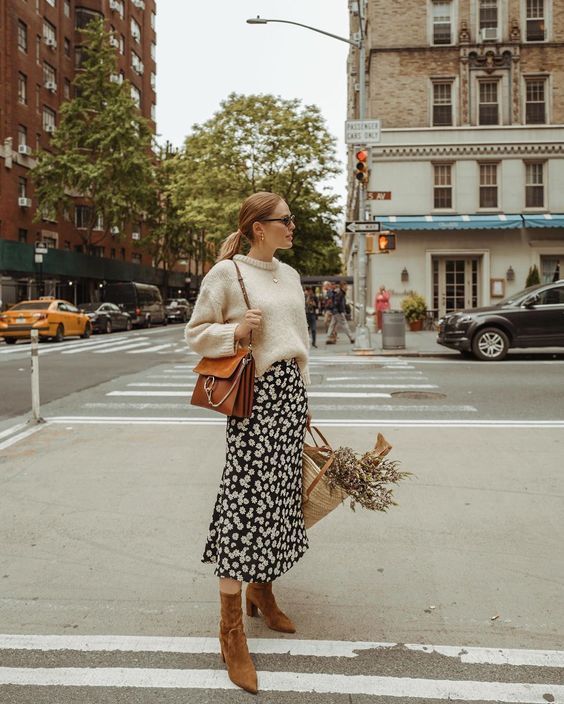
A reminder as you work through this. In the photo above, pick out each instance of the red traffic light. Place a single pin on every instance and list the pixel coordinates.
(362, 155)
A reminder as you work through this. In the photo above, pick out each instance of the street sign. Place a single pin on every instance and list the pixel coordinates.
(40, 248)
(362, 226)
(363, 132)
(379, 195)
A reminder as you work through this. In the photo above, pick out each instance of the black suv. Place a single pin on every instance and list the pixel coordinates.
(531, 318)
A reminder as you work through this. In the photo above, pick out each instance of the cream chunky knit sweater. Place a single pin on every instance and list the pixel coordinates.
(221, 307)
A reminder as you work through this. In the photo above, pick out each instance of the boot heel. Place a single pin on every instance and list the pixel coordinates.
(251, 608)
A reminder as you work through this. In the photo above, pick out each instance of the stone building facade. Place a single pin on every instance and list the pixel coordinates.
(470, 168)
(39, 53)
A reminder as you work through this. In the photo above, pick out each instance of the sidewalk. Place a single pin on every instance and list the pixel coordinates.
(417, 344)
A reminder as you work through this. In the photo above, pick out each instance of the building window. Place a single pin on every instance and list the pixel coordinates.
(117, 6)
(136, 63)
(22, 235)
(136, 95)
(488, 186)
(67, 8)
(153, 51)
(83, 218)
(153, 112)
(122, 253)
(22, 134)
(79, 57)
(51, 2)
(22, 187)
(442, 104)
(84, 16)
(49, 32)
(49, 74)
(113, 253)
(535, 21)
(22, 36)
(135, 30)
(49, 118)
(489, 107)
(136, 258)
(153, 20)
(22, 88)
(443, 186)
(534, 185)
(38, 42)
(153, 80)
(442, 22)
(535, 104)
(67, 89)
(66, 245)
(488, 14)
(67, 46)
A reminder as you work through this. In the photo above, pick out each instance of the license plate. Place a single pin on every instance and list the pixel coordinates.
(20, 320)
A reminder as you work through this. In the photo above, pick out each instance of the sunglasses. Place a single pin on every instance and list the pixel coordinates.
(287, 219)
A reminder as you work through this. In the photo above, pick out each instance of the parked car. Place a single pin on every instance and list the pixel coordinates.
(51, 317)
(531, 318)
(143, 302)
(106, 317)
(178, 309)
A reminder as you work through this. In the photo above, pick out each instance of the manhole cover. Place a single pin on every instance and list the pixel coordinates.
(418, 394)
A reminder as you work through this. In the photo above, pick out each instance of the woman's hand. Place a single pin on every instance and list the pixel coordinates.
(308, 424)
(252, 321)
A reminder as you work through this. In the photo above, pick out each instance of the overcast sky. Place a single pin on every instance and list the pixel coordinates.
(205, 50)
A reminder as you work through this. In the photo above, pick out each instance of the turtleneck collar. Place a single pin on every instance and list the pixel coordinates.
(270, 266)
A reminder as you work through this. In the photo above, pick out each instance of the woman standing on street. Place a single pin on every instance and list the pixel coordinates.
(381, 304)
(257, 530)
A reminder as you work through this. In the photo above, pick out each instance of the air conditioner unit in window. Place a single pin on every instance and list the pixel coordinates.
(51, 42)
(489, 34)
(115, 230)
(49, 128)
(114, 41)
(115, 78)
(24, 202)
(24, 149)
(139, 3)
(135, 235)
(115, 6)
(51, 85)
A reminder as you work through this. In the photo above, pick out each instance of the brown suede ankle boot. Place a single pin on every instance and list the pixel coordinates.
(259, 597)
(234, 650)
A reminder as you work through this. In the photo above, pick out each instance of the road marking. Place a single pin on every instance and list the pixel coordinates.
(121, 348)
(12, 430)
(311, 394)
(321, 422)
(376, 386)
(278, 646)
(161, 678)
(373, 377)
(21, 436)
(102, 344)
(152, 349)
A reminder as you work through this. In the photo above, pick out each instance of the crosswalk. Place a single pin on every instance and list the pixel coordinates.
(394, 671)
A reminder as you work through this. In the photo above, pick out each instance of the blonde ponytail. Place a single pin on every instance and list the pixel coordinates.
(230, 246)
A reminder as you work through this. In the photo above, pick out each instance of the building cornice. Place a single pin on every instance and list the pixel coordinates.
(468, 151)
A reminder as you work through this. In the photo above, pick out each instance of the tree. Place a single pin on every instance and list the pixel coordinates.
(533, 277)
(262, 142)
(101, 151)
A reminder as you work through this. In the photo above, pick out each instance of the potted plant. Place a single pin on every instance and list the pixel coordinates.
(415, 309)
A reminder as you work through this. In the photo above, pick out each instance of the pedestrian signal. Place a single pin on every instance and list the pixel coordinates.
(386, 241)
(361, 169)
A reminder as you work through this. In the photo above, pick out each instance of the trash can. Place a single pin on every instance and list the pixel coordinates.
(393, 330)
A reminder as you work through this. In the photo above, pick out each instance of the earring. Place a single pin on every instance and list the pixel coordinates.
(262, 238)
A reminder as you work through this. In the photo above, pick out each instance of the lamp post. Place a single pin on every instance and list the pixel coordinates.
(362, 336)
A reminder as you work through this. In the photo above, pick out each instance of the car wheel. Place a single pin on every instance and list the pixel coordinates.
(10, 340)
(128, 325)
(490, 344)
(60, 334)
(87, 331)
(108, 327)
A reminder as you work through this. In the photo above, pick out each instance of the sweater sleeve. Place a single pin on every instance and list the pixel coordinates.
(206, 333)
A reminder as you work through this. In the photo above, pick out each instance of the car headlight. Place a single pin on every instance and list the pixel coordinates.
(463, 320)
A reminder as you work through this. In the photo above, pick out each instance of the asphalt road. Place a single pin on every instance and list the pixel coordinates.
(453, 595)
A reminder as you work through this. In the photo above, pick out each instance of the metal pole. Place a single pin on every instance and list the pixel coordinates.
(362, 335)
(35, 405)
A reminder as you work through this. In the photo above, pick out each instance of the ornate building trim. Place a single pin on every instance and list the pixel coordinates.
(468, 151)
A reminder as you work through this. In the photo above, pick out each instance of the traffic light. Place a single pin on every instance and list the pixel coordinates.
(361, 169)
(386, 241)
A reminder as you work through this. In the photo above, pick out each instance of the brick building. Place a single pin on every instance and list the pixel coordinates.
(471, 162)
(39, 52)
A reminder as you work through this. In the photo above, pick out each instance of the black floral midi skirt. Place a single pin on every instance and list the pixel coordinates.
(257, 530)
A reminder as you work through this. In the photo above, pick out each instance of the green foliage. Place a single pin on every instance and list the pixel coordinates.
(101, 150)
(255, 143)
(414, 307)
(533, 277)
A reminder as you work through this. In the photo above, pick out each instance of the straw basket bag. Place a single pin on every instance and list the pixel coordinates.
(318, 499)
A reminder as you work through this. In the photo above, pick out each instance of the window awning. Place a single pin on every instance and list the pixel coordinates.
(499, 221)
(544, 220)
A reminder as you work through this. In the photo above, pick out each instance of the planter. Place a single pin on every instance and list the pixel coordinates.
(416, 325)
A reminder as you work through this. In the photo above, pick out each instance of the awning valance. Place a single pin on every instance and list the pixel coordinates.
(544, 220)
(450, 222)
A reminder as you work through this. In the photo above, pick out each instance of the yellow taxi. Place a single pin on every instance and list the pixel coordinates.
(51, 317)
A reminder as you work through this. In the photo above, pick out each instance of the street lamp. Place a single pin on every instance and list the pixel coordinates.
(362, 337)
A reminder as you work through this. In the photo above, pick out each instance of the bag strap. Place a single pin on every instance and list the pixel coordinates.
(319, 476)
(245, 296)
(321, 436)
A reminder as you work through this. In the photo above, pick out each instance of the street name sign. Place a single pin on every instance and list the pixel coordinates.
(379, 195)
(40, 248)
(363, 132)
(362, 226)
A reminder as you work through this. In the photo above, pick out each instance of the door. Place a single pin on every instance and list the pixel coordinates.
(455, 283)
(543, 323)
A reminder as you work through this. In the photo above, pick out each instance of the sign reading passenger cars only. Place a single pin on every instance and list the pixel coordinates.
(365, 132)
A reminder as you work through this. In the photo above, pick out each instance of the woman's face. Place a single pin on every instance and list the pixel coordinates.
(278, 234)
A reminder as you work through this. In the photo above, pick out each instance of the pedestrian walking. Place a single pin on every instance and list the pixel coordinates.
(311, 307)
(339, 317)
(257, 530)
(381, 303)
(327, 303)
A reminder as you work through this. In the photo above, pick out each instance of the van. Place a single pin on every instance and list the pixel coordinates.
(143, 302)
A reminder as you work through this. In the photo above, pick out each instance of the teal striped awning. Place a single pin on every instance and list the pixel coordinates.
(498, 221)
(544, 220)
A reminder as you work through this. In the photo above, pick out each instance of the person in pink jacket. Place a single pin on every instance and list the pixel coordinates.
(381, 303)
